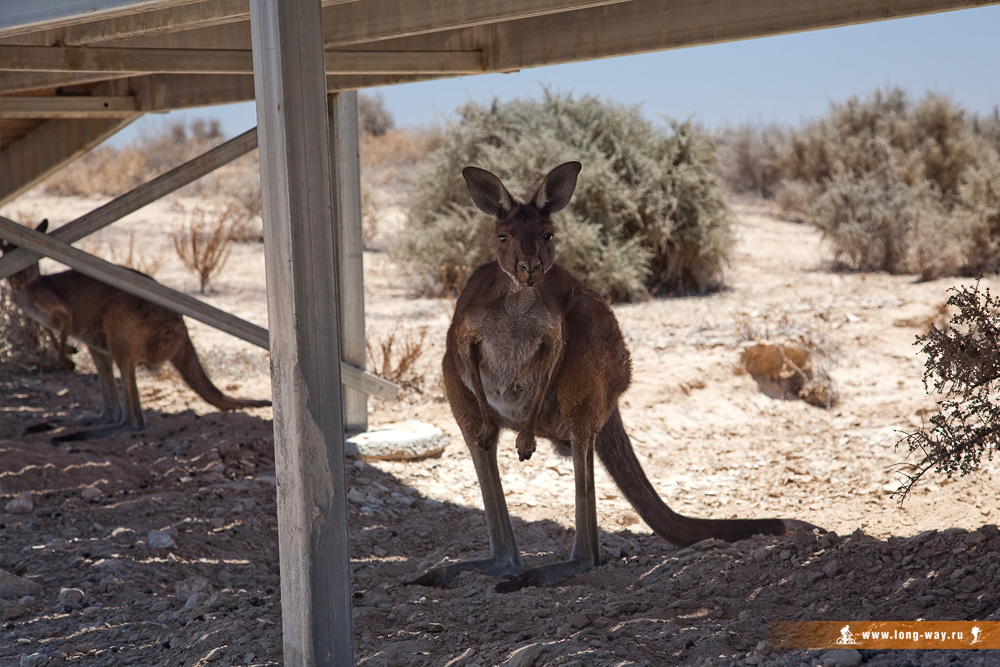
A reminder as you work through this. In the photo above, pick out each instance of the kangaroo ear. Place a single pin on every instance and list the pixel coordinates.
(42, 226)
(488, 192)
(557, 188)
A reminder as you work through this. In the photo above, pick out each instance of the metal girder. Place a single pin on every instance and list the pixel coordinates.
(68, 106)
(227, 61)
(644, 26)
(373, 20)
(18, 16)
(13, 82)
(346, 163)
(303, 276)
(49, 146)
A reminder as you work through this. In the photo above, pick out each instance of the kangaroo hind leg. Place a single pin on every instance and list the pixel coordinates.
(505, 559)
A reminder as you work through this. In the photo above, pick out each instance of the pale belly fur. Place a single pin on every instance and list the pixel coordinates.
(511, 366)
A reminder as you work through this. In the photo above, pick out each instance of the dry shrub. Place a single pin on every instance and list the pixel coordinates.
(25, 346)
(900, 187)
(108, 172)
(647, 215)
(204, 243)
(373, 118)
(395, 358)
(788, 360)
(963, 368)
(126, 256)
(749, 161)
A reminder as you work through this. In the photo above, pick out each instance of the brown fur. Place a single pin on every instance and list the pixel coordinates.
(534, 350)
(117, 327)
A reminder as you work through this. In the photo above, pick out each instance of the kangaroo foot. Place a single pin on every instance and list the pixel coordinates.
(545, 575)
(41, 427)
(439, 577)
(525, 445)
(96, 433)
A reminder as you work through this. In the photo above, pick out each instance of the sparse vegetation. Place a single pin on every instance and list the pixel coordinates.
(647, 215)
(963, 367)
(25, 346)
(128, 256)
(395, 358)
(204, 243)
(373, 118)
(108, 171)
(894, 186)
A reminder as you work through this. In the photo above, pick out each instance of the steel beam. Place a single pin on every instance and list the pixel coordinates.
(49, 146)
(68, 106)
(227, 61)
(303, 298)
(343, 111)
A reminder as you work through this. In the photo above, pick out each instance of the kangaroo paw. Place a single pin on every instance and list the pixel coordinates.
(525, 445)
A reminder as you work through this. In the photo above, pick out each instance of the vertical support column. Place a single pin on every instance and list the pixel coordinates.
(302, 276)
(347, 188)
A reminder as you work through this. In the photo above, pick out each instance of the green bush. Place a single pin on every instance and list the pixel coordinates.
(647, 214)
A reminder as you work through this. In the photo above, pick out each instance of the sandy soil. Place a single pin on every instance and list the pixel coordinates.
(108, 593)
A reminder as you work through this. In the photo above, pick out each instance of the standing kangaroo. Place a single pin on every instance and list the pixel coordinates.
(534, 350)
(116, 327)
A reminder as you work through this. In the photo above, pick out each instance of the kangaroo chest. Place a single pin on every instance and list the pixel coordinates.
(518, 341)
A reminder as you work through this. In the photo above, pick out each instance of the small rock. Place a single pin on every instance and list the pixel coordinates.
(28, 601)
(841, 657)
(70, 596)
(10, 610)
(831, 569)
(975, 537)
(34, 660)
(579, 621)
(13, 587)
(185, 589)
(215, 654)
(91, 494)
(23, 504)
(668, 629)
(59, 544)
(526, 656)
(157, 539)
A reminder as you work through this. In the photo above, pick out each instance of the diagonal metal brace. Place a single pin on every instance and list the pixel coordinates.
(133, 200)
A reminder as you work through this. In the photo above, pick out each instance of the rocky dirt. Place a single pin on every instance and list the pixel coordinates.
(160, 548)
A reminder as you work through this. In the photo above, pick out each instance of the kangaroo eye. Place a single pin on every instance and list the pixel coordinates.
(503, 238)
(547, 237)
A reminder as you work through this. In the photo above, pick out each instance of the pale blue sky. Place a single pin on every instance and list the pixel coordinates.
(785, 80)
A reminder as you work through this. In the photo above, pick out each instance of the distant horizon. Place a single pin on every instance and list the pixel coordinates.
(786, 80)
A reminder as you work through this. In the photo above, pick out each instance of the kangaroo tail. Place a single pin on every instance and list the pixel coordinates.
(615, 451)
(187, 364)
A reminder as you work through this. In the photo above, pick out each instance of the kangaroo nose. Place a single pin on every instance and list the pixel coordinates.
(529, 265)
